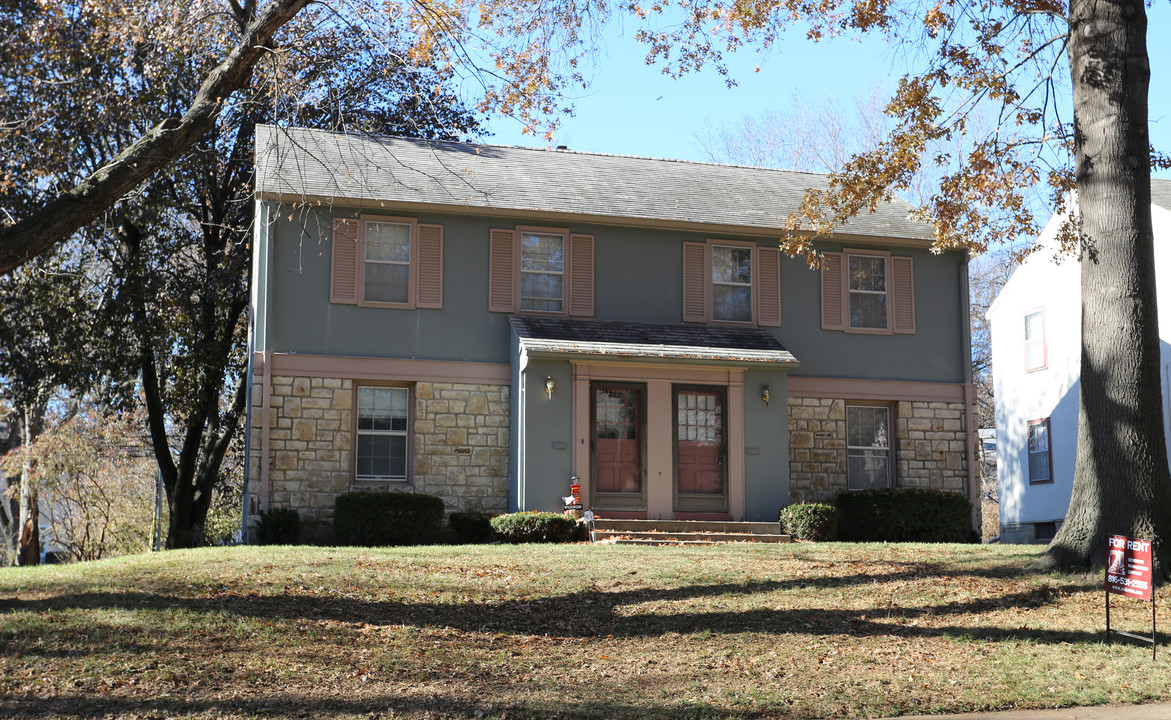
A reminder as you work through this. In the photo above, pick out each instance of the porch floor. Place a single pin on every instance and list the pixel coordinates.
(685, 532)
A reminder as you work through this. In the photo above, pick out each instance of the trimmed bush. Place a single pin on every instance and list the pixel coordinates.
(534, 527)
(471, 527)
(278, 526)
(810, 521)
(385, 518)
(905, 515)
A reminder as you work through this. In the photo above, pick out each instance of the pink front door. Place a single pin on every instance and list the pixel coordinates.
(699, 450)
(618, 447)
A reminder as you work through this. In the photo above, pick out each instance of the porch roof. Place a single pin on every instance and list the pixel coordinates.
(564, 336)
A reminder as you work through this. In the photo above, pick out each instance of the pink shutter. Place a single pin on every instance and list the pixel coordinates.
(345, 257)
(832, 307)
(695, 282)
(581, 275)
(768, 287)
(502, 271)
(430, 259)
(902, 277)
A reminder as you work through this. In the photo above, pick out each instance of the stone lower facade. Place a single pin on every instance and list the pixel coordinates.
(460, 447)
(929, 448)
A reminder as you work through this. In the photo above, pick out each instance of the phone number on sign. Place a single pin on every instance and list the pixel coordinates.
(1127, 582)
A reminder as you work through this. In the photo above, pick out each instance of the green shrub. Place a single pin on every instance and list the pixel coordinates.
(905, 515)
(526, 527)
(385, 518)
(471, 527)
(278, 526)
(810, 521)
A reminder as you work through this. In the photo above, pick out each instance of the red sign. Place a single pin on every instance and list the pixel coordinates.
(1128, 567)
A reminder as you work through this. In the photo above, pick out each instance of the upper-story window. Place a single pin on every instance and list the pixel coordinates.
(867, 291)
(1035, 340)
(542, 271)
(386, 262)
(726, 281)
(867, 287)
(732, 283)
(387, 268)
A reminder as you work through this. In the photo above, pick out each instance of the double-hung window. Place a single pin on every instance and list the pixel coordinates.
(867, 447)
(1040, 457)
(542, 271)
(382, 434)
(1035, 340)
(867, 288)
(387, 264)
(390, 262)
(732, 283)
(867, 291)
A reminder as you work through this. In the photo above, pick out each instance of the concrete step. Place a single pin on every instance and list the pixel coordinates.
(687, 526)
(647, 537)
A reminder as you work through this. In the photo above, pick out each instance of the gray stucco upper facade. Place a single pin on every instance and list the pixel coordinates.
(638, 278)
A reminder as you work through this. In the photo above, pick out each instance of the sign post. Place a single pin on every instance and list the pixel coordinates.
(1128, 572)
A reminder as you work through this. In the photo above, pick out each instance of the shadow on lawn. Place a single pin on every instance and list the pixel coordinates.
(373, 706)
(596, 612)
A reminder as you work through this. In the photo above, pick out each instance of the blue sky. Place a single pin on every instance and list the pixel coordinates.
(634, 109)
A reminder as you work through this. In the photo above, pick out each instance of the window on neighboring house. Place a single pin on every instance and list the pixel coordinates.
(867, 291)
(382, 433)
(867, 447)
(542, 271)
(731, 282)
(387, 266)
(386, 262)
(1035, 340)
(867, 278)
(1040, 457)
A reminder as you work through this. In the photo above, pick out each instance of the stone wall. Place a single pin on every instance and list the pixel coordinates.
(461, 437)
(929, 445)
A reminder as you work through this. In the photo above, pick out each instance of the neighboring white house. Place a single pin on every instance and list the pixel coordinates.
(1036, 341)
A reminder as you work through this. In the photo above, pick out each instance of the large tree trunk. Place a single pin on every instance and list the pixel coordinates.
(1121, 482)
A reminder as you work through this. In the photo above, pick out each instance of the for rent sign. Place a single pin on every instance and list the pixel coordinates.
(1128, 567)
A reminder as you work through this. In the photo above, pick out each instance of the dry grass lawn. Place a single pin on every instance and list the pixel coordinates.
(572, 631)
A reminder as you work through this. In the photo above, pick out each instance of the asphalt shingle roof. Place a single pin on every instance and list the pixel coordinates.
(648, 340)
(299, 162)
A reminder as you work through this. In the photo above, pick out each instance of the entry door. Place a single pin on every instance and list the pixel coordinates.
(700, 450)
(618, 447)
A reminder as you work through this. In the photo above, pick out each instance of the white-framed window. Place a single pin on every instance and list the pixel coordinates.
(382, 448)
(542, 271)
(732, 283)
(386, 266)
(1040, 455)
(867, 447)
(867, 291)
(1035, 340)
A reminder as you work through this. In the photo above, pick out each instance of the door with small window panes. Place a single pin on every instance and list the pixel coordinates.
(700, 449)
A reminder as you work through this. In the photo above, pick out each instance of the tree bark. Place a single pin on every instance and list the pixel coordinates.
(28, 550)
(86, 202)
(1121, 481)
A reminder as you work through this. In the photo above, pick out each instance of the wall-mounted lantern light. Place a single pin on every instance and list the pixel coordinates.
(549, 387)
(765, 394)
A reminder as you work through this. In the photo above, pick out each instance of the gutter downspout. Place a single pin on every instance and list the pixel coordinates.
(972, 432)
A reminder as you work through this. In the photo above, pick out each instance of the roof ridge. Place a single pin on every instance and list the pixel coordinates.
(567, 151)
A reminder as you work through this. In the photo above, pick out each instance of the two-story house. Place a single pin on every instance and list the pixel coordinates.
(1036, 359)
(484, 323)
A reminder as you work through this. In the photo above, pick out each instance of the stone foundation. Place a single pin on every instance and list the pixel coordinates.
(461, 445)
(929, 447)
